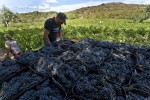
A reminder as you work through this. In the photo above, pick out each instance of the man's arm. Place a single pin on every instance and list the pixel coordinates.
(46, 38)
(61, 36)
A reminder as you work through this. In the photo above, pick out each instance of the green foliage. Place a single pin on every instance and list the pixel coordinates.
(139, 17)
(109, 10)
(35, 16)
(7, 16)
(110, 30)
(99, 22)
(148, 11)
(30, 37)
(148, 8)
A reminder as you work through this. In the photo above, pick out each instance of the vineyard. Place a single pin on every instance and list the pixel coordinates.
(30, 36)
(105, 55)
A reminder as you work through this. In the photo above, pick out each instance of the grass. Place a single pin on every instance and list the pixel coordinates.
(114, 30)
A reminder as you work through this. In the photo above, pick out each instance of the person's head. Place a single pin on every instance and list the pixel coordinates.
(61, 18)
(8, 37)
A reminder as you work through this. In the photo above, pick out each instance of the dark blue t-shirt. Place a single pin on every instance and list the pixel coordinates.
(53, 28)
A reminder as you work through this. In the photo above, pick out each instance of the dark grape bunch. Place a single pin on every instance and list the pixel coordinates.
(85, 70)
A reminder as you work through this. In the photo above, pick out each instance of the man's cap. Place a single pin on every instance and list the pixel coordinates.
(62, 16)
(7, 36)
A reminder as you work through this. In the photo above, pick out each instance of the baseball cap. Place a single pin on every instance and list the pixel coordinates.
(62, 16)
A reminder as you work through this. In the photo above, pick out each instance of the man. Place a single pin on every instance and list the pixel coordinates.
(52, 28)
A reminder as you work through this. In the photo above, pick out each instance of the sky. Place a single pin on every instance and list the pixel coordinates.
(23, 6)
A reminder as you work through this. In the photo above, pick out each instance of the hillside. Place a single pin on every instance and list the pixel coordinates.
(35, 16)
(109, 10)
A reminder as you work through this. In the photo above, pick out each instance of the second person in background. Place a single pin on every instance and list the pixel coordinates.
(11, 46)
(52, 28)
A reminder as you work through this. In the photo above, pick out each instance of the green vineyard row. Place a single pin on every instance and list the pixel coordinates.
(30, 36)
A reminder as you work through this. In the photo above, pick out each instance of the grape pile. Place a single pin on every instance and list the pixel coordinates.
(84, 70)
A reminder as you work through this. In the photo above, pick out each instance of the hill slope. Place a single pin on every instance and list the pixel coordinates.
(109, 10)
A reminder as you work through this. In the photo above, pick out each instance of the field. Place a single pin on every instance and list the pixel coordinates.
(30, 35)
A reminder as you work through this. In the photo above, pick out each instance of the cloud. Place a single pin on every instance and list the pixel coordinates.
(136, 1)
(51, 1)
(66, 8)
(2, 2)
(47, 5)
(57, 5)
(44, 6)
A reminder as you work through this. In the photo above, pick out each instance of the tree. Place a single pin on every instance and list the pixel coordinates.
(139, 17)
(148, 10)
(6, 16)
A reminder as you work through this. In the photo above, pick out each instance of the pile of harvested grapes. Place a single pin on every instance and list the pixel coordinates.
(84, 70)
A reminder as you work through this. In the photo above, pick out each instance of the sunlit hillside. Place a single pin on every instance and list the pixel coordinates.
(110, 10)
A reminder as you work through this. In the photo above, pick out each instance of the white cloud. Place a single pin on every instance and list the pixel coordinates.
(66, 8)
(44, 6)
(48, 5)
(51, 1)
(2, 2)
(40, 8)
(136, 1)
